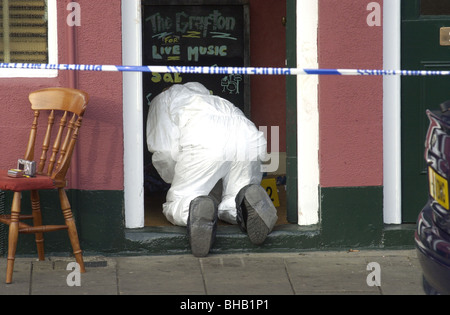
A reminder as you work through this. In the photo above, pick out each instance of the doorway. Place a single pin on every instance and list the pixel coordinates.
(422, 21)
(250, 103)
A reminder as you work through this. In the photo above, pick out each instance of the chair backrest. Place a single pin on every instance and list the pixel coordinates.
(70, 105)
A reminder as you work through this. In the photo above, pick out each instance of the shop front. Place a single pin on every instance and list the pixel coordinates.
(327, 135)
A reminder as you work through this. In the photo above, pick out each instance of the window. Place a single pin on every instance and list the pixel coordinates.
(28, 35)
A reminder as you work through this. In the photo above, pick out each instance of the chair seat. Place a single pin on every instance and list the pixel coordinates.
(23, 183)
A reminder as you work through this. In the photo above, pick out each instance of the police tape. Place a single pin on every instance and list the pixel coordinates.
(222, 70)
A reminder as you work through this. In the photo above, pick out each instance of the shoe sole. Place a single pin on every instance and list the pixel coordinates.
(202, 225)
(257, 230)
(257, 204)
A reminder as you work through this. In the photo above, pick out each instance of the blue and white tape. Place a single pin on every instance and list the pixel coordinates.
(222, 70)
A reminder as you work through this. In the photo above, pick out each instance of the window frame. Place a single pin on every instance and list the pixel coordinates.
(52, 50)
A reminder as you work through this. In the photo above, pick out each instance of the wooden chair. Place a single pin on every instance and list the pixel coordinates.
(70, 105)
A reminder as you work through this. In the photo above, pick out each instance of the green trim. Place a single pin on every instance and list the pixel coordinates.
(410, 9)
(398, 236)
(291, 113)
(98, 215)
(351, 217)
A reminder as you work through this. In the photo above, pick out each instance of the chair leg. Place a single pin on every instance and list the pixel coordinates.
(13, 236)
(37, 221)
(72, 229)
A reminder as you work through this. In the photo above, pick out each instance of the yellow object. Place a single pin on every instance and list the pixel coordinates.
(439, 188)
(270, 185)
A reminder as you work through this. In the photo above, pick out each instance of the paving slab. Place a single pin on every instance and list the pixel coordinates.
(245, 275)
(21, 277)
(222, 275)
(173, 275)
(58, 276)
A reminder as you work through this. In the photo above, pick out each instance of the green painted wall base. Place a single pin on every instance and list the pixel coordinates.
(99, 217)
(351, 218)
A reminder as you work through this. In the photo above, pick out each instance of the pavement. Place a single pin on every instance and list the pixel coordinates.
(352, 272)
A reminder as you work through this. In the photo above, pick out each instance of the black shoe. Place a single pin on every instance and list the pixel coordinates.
(201, 225)
(256, 213)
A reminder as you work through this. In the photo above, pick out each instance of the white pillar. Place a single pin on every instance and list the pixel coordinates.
(307, 113)
(132, 115)
(392, 180)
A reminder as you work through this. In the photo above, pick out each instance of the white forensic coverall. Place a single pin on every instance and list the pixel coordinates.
(197, 139)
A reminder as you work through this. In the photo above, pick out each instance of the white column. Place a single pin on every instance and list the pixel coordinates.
(392, 180)
(132, 115)
(307, 114)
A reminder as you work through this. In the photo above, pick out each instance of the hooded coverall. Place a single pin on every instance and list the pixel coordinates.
(198, 139)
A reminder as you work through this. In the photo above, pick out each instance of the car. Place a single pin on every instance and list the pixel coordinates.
(432, 235)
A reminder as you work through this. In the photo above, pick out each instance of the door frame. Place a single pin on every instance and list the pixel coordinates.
(133, 137)
(307, 103)
(392, 179)
(308, 205)
(392, 114)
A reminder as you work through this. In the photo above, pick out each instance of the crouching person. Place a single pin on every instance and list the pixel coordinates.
(198, 139)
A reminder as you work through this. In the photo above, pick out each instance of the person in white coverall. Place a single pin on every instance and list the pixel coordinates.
(198, 139)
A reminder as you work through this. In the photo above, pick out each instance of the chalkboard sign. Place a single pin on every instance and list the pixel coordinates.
(192, 34)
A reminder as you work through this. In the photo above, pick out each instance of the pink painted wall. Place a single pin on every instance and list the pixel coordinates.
(350, 107)
(98, 164)
(351, 143)
(99, 157)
